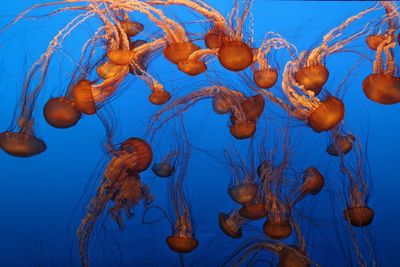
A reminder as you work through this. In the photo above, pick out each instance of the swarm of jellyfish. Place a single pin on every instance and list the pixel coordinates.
(237, 79)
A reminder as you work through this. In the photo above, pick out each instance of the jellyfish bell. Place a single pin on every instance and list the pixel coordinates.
(159, 97)
(382, 88)
(312, 78)
(108, 70)
(179, 51)
(21, 144)
(121, 57)
(192, 67)
(253, 211)
(163, 169)
(359, 216)
(213, 38)
(265, 79)
(221, 104)
(313, 181)
(235, 55)
(293, 257)
(83, 97)
(342, 146)
(182, 244)
(327, 115)
(228, 226)
(143, 151)
(60, 112)
(131, 28)
(243, 130)
(373, 41)
(277, 230)
(243, 193)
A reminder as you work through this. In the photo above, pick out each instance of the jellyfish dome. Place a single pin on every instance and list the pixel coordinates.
(142, 150)
(21, 144)
(61, 113)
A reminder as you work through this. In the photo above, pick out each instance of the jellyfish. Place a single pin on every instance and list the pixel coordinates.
(165, 168)
(244, 111)
(122, 185)
(357, 213)
(264, 75)
(383, 86)
(224, 40)
(231, 224)
(313, 182)
(243, 187)
(130, 27)
(278, 225)
(341, 143)
(244, 126)
(20, 140)
(309, 74)
(178, 46)
(294, 255)
(194, 64)
(312, 74)
(273, 173)
(182, 239)
(63, 112)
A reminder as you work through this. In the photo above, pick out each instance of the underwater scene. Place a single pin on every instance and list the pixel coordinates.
(199, 133)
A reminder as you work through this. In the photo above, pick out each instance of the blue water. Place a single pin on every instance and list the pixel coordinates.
(43, 198)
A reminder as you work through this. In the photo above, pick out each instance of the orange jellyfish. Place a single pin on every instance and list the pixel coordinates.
(313, 182)
(194, 64)
(320, 115)
(131, 28)
(278, 223)
(288, 255)
(213, 37)
(178, 46)
(183, 238)
(308, 75)
(61, 112)
(120, 184)
(357, 213)
(311, 73)
(383, 86)
(341, 144)
(244, 119)
(231, 224)
(165, 168)
(374, 40)
(244, 111)
(264, 75)
(24, 143)
(91, 96)
(224, 40)
(243, 187)
(143, 51)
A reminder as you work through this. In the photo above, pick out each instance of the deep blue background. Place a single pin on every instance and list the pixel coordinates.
(39, 196)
